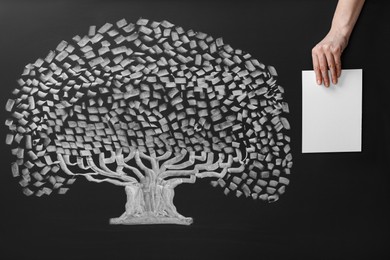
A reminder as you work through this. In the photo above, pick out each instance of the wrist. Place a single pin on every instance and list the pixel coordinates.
(342, 31)
(340, 34)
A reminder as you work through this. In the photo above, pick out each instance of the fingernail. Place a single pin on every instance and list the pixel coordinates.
(318, 82)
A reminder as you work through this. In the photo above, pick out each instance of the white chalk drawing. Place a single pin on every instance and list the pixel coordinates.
(149, 106)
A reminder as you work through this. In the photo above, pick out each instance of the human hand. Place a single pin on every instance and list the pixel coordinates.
(327, 55)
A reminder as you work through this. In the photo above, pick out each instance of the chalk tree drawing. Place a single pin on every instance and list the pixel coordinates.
(149, 106)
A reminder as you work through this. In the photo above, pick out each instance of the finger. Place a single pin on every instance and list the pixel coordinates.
(332, 67)
(337, 61)
(324, 70)
(316, 67)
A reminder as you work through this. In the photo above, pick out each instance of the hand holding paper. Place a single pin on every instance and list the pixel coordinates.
(332, 117)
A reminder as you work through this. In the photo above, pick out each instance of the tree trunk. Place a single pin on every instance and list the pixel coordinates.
(150, 204)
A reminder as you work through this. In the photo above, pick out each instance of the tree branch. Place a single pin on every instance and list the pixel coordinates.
(67, 160)
(183, 165)
(208, 165)
(151, 159)
(108, 172)
(228, 163)
(210, 168)
(130, 155)
(175, 182)
(80, 163)
(140, 176)
(238, 159)
(148, 172)
(168, 174)
(110, 159)
(202, 157)
(212, 174)
(120, 163)
(89, 175)
(165, 156)
(175, 159)
(113, 181)
(102, 163)
(237, 169)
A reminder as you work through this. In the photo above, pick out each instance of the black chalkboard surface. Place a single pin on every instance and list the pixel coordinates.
(336, 205)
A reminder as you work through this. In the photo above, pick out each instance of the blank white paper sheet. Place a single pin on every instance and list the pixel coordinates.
(332, 117)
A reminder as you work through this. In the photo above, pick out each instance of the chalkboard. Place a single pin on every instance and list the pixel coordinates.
(336, 204)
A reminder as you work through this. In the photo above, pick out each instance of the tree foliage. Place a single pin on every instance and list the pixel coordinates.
(152, 90)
